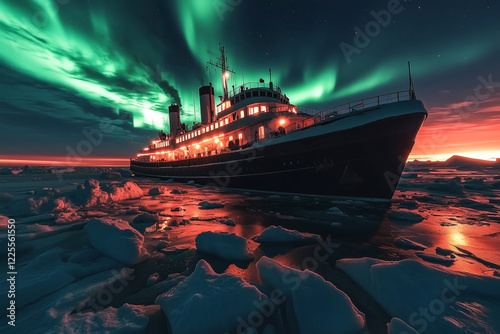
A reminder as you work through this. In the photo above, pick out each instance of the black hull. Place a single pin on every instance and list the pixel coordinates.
(364, 161)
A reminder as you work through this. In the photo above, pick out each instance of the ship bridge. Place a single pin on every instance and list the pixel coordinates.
(250, 93)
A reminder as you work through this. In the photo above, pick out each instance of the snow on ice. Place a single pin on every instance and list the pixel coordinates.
(398, 326)
(126, 319)
(207, 302)
(313, 304)
(428, 297)
(278, 234)
(225, 245)
(117, 239)
(435, 258)
(91, 193)
(336, 211)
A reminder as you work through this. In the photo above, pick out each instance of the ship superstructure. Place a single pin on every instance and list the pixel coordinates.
(254, 138)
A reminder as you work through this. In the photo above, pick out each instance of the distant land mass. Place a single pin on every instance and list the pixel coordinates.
(460, 161)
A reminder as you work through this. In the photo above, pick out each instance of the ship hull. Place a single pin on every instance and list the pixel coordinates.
(333, 158)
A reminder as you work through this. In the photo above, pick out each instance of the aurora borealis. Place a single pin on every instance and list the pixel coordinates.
(65, 65)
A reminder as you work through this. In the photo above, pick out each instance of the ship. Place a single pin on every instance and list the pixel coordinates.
(256, 139)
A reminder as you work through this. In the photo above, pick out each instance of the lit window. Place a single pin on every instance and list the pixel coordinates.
(226, 121)
(221, 123)
(211, 127)
(199, 132)
(261, 132)
(203, 130)
(230, 138)
(177, 141)
(240, 136)
(242, 113)
(263, 109)
(216, 125)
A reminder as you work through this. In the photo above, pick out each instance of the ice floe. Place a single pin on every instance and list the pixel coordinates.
(408, 244)
(278, 234)
(435, 258)
(398, 326)
(428, 297)
(452, 186)
(126, 319)
(312, 304)
(207, 302)
(157, 191)
(117, 239)
(111, 175)
(93, 193)
(335, 211)
(225, 245)
(227, 221)
(208, 206)
(405, 216)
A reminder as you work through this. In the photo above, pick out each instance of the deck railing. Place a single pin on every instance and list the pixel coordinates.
(342, 109)
(374, 101)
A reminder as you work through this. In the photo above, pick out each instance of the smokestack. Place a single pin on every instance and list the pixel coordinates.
(207, 104)
(174, 116)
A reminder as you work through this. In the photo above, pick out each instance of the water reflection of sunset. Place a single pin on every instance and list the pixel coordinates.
(457, 238)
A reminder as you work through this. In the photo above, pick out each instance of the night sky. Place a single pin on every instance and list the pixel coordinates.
(73, 67)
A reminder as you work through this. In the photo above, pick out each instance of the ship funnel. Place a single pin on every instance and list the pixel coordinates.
(174, 116)
(207, 104)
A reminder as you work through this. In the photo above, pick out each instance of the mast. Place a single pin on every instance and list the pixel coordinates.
(412, 87)
(223, 66)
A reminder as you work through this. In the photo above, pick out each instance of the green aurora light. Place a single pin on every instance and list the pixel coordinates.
(86, 59)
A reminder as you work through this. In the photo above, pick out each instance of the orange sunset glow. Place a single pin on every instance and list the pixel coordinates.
(460, 129)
